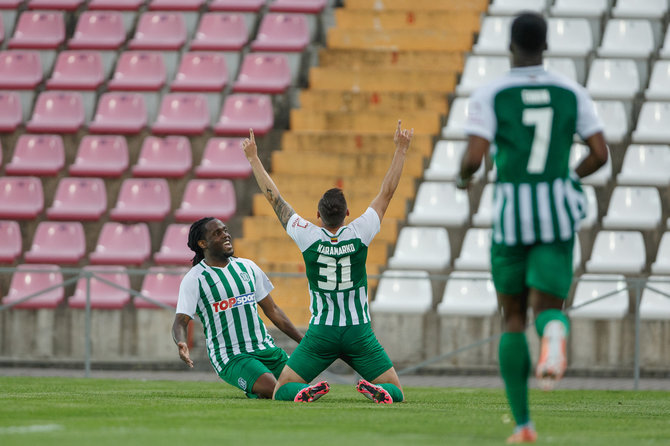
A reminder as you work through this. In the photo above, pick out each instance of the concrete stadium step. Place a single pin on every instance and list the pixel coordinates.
(351, 142)
(400, 102)
(423, 122)
(381, 80)
(402, 39)
(356, 59)
(347, 18)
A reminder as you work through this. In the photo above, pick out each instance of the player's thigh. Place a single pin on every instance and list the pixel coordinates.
(550, 269)
(242, 371)
(508, 268)
(317, 350)
(363, 352)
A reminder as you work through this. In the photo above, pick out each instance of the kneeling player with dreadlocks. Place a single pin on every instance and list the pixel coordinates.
(224, 292)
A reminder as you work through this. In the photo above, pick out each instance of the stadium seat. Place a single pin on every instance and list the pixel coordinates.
(21, 197)
(512, 7)
(40, 30)
(484, 217)
(120, 244)
(124, 113)
(633, 208)
(591, 286)
(475, 251)
(241, 112)
(620, 252)
(282, 32)
(613, 79)
(77, 70)
(614, 118)
(421, 248)
(11, 111)
(599, 177)
(456, 121)
(98, 30)
(263, 73)
(176, 5)
(40, 155)
(627, 38)
(207, 197)
(405, 292)
(139, 71)
(236, 5)
(569, 37)
(665, 50)
(160, 285)
(82, 199)
(654, 305)
(159, 31)
(480, 70)
(66, 5)
(183, 113)
(562, 65)
(591, 207)
(103, 296)
(57, 242)
(164, 157)
(10, 241)
(142, 200)
(440, 204)
(201, 72)
(115, 5)
(445, 162)
(220, 32)
(223, 158)
(652, 123)
(648, 9)
(469, 294)
(31, 279)
(645, 165)
(57, 112)
(101, 156)
(298, 6)
(493, 37)
(20, 70)
(662, 263)
(659, 82)
(174, 249)
(579, 8)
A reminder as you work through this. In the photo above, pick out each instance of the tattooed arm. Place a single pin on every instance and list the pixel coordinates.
(283, 210)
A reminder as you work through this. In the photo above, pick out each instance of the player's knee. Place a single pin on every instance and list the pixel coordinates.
(264, 386)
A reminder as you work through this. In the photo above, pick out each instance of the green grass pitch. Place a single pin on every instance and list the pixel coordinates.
(69, 411)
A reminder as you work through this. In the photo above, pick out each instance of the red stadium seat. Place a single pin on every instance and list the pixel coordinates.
(220, 32)
(39, 30)
(263, 73)
(183, 113)
(161, 286)
(98, 30)
(21, 197)
(20, 69)
(299, 6)
(124, 113)
(241, 112)
(10, 4)
(31, 279)
(79, 199)
(10, 241)
(57, 112)
(139, 71)
(164, 157)
(159, 31)
(11, 111)
(174, 250)
(57, 242)
(223, 158)
(77, 70)
(101, 156)
(142, 200)
(201, 72)
(207, 197)
(120, 244)
(236, 5)
(103, 296)
(176, 5)
(65, 5)
(40, 155)
(115, 5)
(282, 32)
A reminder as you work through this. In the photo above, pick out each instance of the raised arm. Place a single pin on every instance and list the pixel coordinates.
(179, 335)
(402, 139)
(279, 318)
(283, 210)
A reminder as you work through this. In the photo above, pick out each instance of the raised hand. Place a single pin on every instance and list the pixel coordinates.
(249, 146)
(402, 138)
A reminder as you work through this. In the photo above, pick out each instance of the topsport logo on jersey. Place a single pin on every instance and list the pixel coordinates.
(233, 302)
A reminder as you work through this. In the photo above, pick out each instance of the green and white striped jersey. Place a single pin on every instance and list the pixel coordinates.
(335, 268)
(225, 301)
(530, 116)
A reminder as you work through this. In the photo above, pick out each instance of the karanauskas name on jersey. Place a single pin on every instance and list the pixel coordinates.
(233, 302)
(336, 250)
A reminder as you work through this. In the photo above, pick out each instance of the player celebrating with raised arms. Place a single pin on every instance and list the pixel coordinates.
(335, 256)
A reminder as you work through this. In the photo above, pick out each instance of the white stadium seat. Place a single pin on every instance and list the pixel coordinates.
(579, 8)
(592, 286)
(613, 79)
(645, 165)
(659, 82)
(633, 207)
(421, 248)
(483, 215)
(403, 292)
(456, 121)
(475, 251)
(562, 65)
(445, 164)
(620, 252)
(654, 305)
(493, 37)
(469, 294)
(569, 37)
(643, 9)
(591, 207)
(480, 70)
(440, 203)
(652, 123)
(662, 263)
(665, 50)
(512, 7)
(615, 119)
(577, 254)
(627, 38)
(599, 177)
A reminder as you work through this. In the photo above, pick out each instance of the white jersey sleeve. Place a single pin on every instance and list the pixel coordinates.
(263, 284)
(303, 232)
(189, 293)
(367, 226)
(588, 123)
(481, 120)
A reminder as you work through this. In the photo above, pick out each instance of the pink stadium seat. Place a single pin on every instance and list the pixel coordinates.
(21, 197)
(120, 244)
(201, 72)
(79, 199)
(164, 157)
(20, 69)
(223, 158)
(98, 30)
(161, 286)
(142, 200)
(236, 5)
(176, 5)
(57, 112)
(299, 6)
(57, 242)
(10, 4)
(103, 296)
(263, 73)
(124, 113)
(139, 71)
(11, 111)
(40, 155)
(159, 31)
(241, 112)
(207, 197)
(183, 113)
(101, 156)
(77, 70)
(220, 32)
(31, 279)
(10, 241)
(282, 32)
(39, 30)
(115, 5)
(66, 5)
(174, 250)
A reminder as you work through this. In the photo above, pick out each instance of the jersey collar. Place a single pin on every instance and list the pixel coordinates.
(526, 71)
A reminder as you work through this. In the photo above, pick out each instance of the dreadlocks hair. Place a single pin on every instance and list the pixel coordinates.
(195, 234)
(332, 207)
(529, 32)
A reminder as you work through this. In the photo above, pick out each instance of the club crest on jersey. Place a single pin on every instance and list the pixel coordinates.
(244, 276)
(233, 302)
(242, 383)
(333, 239)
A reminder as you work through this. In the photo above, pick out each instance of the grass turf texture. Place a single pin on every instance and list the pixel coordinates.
(124, 412)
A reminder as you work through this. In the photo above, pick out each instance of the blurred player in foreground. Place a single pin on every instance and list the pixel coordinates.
(530, 117)
(335, 256)
(225, 292)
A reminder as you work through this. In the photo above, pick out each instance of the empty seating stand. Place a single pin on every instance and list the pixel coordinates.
(183, 113)
(41, 155)
(241, 112)
(421, 248)
(174, 249)
(394, 288)
(20, 69)
(282, 32)
(57, 242)
(124, 113)
(223, 158)
(21, 197)
(11, 111)
(77, 70)
(32, 279)
(164, 157)
(207, 197)
(57, 112)
(220, 32)
(120, 244)
(263, 73)
(98, 30)
(142, 200)
(10, 241)
(82, 199)
(139, 71)
(161, 285)
(101, 156)
(201, 72)
(39, 30)
(102, 295)
(159, 31)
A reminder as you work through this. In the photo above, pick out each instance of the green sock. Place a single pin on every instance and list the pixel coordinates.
(288, 391)
(547, 316)
(394, 391)
(514, 358)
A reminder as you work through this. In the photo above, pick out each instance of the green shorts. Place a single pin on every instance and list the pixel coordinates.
(356, 345)
(244, 369)
(546, 267)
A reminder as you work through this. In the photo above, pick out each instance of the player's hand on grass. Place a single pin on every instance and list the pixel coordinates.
(402, 138)
(249, 146)
(184, 354)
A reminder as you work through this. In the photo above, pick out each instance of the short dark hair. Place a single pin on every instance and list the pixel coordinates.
(332, 207)
(529, 32)
(195, 234)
